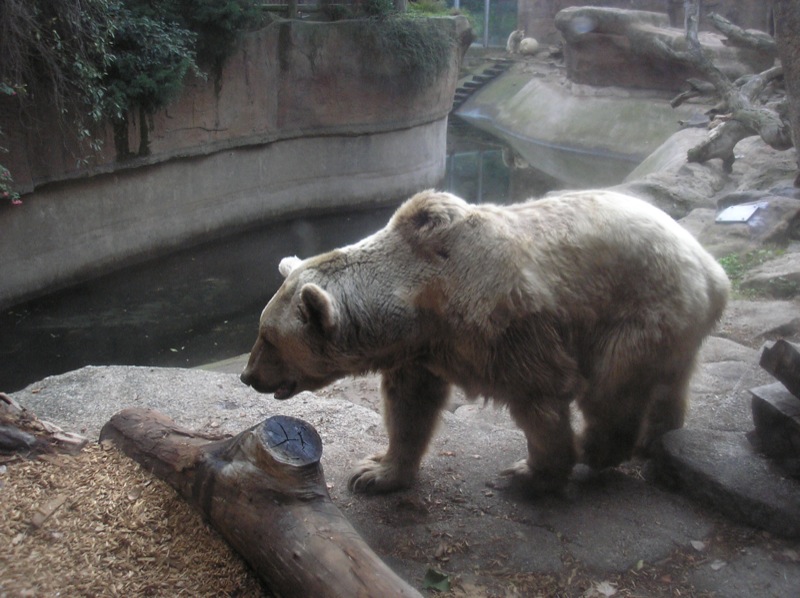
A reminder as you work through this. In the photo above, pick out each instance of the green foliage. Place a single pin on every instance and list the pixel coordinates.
(438, 8)
(417, 49)
(736, 265)
(217, 23)
(378, 8)
(336, 12)
(7, 190)
(57, 50)
(96, 59)
(151, 59)
(428, 8)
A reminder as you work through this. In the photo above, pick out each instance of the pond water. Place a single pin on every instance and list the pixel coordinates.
(202, 304)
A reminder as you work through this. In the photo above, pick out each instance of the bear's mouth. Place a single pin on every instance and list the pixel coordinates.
(285, 390)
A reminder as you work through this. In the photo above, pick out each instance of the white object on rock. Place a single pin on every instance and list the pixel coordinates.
(528, 46)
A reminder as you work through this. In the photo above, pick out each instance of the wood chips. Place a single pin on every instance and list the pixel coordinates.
(96, 524)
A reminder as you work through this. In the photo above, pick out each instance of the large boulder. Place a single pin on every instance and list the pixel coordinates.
(612, 46)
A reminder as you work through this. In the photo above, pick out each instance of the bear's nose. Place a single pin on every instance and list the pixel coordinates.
(246, 378)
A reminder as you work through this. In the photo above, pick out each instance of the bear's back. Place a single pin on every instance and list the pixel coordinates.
(595, 251)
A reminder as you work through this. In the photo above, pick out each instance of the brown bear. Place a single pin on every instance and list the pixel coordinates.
(593, 297)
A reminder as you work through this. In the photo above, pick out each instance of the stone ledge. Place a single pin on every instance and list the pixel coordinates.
(722, 470)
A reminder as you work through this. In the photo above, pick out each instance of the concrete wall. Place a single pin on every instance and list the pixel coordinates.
(301, 120)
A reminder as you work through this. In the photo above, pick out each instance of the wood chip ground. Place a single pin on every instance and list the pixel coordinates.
(98, 525)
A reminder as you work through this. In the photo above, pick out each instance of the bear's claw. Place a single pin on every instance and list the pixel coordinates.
(373, 476)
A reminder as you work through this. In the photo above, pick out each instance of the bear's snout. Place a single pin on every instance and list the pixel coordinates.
(246, 378)
(251, 379)
(281, 389)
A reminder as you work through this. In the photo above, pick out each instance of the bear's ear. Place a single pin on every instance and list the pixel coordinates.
(317, 308)
(428, 213)
(288, 264)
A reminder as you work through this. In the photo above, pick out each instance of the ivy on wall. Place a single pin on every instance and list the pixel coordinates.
(104, 59)
(99, 61)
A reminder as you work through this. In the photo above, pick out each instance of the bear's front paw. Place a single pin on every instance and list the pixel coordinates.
(535, 481)
(374, 476)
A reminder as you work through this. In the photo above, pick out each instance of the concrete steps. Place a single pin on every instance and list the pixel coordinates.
(478, 80)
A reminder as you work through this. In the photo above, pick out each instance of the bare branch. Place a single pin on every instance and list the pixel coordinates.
(739, 99)
(757, 40)
(720, 143)
(697, 88)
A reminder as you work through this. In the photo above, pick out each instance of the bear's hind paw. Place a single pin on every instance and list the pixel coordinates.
(535, 482)
(372, 476)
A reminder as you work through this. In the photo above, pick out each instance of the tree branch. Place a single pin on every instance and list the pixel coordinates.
(743, 38)
(739, 99)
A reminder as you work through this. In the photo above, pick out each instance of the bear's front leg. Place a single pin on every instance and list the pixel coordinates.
(412, 399)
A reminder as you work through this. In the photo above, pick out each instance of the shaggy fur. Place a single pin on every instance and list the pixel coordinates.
(513, 41)
(592, 297)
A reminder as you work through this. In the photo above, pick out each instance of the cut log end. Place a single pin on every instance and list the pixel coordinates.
(291, 440)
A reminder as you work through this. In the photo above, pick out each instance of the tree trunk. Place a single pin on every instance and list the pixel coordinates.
(787, 36)
(264, 491)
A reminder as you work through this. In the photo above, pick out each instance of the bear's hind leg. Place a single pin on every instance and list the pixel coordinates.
(666, 409)
(412, 399)
(627, 420)
(612, 428)
(551, 445)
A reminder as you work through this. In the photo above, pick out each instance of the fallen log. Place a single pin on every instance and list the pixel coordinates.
(264, 491)
(23, 435)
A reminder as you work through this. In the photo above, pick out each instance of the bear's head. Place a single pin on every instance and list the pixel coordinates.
(355, 309)
(292, 351)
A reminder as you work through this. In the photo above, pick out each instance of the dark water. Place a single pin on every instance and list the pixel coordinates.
(202, 304)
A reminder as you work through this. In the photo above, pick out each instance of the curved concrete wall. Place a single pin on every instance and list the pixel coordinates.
(306, 125)
(74, 230)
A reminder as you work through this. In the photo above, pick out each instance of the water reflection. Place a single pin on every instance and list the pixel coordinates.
(480, 174)
(556, 166)
(202, 304)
